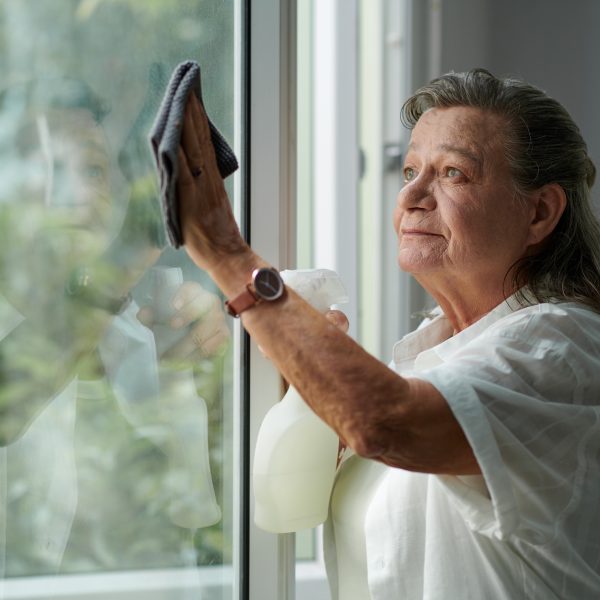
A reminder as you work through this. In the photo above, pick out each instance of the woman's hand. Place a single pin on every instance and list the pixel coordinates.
(199, 317)
(339, 319)
(209, 230)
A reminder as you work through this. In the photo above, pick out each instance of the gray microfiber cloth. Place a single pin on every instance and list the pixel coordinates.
(164, 140)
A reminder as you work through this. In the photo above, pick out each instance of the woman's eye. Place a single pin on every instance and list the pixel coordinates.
(94, 172)
(409, 174)
(453, 172)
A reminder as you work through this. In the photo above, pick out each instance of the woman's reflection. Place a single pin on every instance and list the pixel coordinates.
(105, 450)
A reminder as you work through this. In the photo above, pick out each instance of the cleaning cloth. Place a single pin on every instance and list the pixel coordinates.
(164, 140)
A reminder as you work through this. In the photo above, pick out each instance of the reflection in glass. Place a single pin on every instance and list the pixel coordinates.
(115, 371)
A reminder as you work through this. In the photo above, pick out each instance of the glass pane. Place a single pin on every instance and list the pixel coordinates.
(116, 367)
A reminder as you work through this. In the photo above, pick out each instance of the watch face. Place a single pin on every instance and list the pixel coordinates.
(268, 284)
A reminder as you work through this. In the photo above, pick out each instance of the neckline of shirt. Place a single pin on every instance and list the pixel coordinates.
(437, 334)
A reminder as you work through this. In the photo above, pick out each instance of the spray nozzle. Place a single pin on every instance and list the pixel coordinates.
(319, 287)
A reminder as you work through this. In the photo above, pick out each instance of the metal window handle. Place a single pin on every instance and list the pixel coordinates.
(392, 157)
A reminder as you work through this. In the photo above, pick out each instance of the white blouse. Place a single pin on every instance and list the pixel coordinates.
(525, 387)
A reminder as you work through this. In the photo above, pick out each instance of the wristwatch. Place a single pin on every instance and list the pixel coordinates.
(266, 285)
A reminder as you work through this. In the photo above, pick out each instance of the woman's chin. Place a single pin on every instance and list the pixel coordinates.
(417, 262)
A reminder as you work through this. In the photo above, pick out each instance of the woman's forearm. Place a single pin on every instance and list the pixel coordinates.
(339, 380)
(402, 422)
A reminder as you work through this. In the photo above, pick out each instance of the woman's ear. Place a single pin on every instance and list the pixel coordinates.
(549, 203)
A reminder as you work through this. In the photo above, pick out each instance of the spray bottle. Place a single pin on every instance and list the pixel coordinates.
(296, 452)
(184, 416)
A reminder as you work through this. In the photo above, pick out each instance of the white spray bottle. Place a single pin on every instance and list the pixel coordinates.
(296, 452)
(184, 416)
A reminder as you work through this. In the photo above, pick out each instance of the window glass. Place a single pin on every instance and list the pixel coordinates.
(116, 376)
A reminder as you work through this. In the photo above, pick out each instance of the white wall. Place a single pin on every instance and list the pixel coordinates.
(553, 44)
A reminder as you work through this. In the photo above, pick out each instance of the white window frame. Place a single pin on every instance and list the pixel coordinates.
(155, 584)
(272, 233)
(271, 153)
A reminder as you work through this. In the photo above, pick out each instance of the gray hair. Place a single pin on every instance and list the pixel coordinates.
(543, 145)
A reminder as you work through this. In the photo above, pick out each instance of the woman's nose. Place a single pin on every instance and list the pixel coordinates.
(417, 194)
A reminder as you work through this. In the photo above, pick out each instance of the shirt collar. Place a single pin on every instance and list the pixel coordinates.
(10, 317)
(433, 341)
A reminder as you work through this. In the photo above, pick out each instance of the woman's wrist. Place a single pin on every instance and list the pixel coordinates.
(232, 272)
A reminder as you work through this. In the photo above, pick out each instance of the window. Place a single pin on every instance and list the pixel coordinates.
(125, 445)
(120, 441)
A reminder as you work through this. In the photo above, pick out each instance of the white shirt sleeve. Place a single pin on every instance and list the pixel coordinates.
(527, 395)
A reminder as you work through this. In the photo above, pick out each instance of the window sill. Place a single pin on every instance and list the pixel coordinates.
(175, 584)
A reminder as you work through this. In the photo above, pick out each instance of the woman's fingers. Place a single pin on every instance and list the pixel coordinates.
(200, 317)
(339, 319)
(208, 226)
(192, 302)
(185, 178)
(146, 316)
(206, 338)
(195, 137)
(198, 116)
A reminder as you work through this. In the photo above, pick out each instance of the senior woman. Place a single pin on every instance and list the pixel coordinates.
(476, 471)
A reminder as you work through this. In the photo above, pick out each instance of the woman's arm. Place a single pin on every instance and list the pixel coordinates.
(402, 422)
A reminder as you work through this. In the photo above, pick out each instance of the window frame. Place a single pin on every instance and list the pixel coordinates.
(270, 152)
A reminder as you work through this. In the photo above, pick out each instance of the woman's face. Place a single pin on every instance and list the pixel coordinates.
(458, 218)
(55, 201)
(65, 152)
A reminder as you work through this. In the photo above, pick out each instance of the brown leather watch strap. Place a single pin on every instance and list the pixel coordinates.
(242, 302)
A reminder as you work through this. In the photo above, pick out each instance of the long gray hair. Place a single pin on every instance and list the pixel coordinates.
(543, 145)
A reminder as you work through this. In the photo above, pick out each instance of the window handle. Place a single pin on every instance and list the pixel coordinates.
(392, 157)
